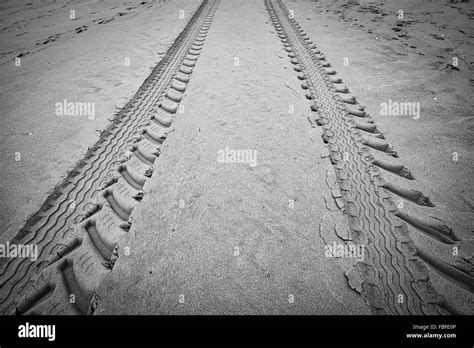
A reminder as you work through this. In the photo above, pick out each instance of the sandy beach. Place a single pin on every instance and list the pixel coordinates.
(101, 57)
(191, 229)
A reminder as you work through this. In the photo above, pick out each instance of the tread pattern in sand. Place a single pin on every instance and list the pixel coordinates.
(394, 278)
(79, 225)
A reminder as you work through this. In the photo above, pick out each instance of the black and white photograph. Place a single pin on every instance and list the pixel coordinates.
(175, 162)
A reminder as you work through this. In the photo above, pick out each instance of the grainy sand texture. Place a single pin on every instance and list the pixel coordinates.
(222, 157)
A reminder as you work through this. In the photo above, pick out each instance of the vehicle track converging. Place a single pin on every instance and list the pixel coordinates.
(80, 223)
(393, 278)
(78, 226)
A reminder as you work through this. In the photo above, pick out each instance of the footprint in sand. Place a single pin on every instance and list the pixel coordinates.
(437, 37)
(81, 29)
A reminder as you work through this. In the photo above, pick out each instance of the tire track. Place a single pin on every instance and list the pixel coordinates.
(78, 190)
(393, 278)
(95, 183)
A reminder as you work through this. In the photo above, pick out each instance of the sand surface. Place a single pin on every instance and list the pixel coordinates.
(210, 237)
(59, 62)
(413, 64)
(225, 235)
